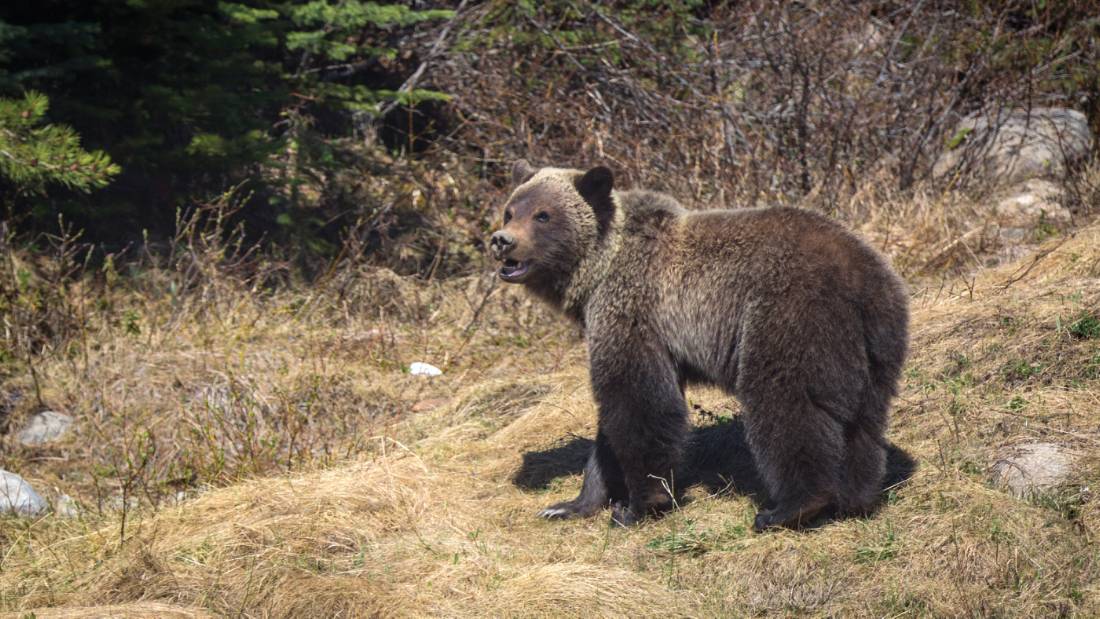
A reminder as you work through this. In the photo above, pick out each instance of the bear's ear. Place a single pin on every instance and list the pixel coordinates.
(595, 187)
(522, 172)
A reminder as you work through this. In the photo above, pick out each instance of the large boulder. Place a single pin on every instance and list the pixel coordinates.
(17, 496)
(45, 427)
(1011, 146)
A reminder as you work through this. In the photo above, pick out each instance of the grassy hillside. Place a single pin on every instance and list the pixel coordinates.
(300, 470)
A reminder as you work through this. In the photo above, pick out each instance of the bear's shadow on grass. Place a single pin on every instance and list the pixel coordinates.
(717, 458)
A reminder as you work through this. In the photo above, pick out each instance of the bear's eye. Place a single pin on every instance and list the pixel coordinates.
(507, 216)
(543, 217)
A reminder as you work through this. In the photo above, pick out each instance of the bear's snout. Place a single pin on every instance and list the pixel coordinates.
(501, 244)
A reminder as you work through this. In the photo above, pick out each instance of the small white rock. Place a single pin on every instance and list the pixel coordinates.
(66, 507)
(45, 427)
(419, 368)
(17, 496)
(1030, 203)
(1033, 468)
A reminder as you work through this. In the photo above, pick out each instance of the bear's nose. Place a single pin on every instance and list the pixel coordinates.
(501, 243)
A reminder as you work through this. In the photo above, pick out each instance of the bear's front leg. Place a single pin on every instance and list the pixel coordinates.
(644, 417)
(603, 485)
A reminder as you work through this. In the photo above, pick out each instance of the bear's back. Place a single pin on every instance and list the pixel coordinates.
(778, 247)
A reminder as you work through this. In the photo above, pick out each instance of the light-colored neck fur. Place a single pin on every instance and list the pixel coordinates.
(594, 265)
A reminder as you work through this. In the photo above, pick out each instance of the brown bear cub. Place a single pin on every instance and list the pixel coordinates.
(804, 323)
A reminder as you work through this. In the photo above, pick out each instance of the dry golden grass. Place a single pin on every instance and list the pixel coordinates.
(417, 496)
(136, 610)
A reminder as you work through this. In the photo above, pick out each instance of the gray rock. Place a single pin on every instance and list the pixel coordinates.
(1033, 468)
(1031, 203)
(45, 427)
(17, 496)
(1015, 145)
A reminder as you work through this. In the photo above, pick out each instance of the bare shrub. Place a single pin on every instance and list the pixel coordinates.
(759, 102)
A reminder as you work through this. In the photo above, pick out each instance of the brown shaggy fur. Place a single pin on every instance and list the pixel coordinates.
(782, 307)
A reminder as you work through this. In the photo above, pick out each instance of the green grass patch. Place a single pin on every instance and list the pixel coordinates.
(1085, 326)
(683, 541)
(1021, 370)
(885, 549)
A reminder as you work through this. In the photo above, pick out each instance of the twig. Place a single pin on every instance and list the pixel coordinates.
(467, 332)
(1034, 261)
(481, 306)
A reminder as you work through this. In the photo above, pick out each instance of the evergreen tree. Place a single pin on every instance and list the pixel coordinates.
(337, 53)
(33, 155)
(339, 40)
(192, 96)
(181, 93)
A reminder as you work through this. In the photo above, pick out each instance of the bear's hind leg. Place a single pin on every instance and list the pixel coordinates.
(799, 451)
(603, 484)
(864, 470)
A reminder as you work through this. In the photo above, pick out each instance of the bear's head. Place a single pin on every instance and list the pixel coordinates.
(552, 220)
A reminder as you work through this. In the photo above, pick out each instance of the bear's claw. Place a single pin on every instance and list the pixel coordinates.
(556, 513)
(565, 510)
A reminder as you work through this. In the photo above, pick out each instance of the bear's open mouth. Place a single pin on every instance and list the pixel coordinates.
(513, 270)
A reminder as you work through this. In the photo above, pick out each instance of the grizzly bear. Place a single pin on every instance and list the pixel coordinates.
(781, 307)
